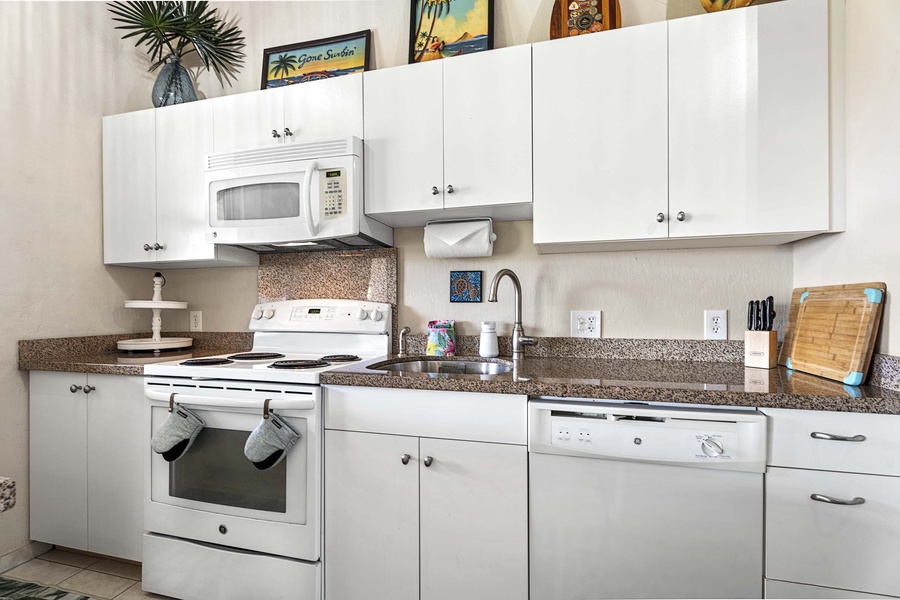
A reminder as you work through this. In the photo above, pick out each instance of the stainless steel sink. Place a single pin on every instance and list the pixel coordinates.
(456, 367)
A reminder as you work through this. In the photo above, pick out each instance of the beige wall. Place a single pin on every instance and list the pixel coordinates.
(870, 248)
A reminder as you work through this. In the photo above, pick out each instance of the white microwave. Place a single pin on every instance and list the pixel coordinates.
(291, 197)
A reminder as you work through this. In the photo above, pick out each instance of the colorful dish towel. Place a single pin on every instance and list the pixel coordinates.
(441, 338)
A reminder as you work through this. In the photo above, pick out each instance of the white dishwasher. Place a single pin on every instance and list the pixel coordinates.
(637, 501)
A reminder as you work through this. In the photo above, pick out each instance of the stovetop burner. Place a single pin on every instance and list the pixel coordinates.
(206, 362)
(298, 364)
(340, 358)
(256, 356)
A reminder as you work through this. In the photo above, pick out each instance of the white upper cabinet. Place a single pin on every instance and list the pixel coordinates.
(154, 196)
(310, 111)
(129, 187)
(600, 137)
(404, 137)
(487, 128)
(450, 138)
(749, 121)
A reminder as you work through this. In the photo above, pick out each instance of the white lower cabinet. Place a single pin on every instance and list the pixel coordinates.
(409, 517)
(87, 467)
(827, 528)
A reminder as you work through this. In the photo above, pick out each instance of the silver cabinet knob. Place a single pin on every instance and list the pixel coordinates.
(435, 191)
(158, 247)
(147, 247)
(680, 216)
(275, 133)
(287, 132)
(660, 217)
(74, 388)
(88, 389)
(405, 459)
(428, 461)
(449, 189)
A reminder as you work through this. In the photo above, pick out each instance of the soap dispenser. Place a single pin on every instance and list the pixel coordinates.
(489, 348)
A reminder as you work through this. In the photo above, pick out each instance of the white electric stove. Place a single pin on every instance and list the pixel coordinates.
(214, 522)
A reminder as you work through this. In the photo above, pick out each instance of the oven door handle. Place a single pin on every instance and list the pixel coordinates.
(224, 402)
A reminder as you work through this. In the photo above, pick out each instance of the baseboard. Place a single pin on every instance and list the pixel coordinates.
(22, 555)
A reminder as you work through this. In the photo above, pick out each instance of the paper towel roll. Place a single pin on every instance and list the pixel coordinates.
(459, 239)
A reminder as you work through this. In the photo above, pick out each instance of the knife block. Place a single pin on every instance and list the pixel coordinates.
(760, 349)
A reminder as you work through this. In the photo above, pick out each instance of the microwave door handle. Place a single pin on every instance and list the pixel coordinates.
(307, 201)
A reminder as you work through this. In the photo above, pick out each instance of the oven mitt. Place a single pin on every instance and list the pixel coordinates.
(270, 442)
(175, 436)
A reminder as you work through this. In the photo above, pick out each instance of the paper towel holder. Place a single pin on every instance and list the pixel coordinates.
(487, 222)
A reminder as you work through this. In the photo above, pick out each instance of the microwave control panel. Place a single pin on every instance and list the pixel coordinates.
(333, 192)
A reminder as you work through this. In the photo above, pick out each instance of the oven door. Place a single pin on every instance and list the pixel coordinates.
(296, 201)
(214, 494)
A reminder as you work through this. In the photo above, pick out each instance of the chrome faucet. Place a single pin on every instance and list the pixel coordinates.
(401, 349)
(519, 339)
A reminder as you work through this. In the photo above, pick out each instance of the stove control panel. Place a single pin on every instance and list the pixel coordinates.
(350, 316)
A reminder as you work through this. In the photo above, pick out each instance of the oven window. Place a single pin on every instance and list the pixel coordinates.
(215, 471)
(258, 201)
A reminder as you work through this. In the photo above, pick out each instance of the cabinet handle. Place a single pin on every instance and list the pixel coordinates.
(147, 247)
(428, 461)
(288, 132)
(159, 247)
(275, 133)
(660, 217)
(449, 189)
(88, 389)
(681, 216)
(74, 388)
(405, 459)
(435, 191)
(818, 435)
(830, 500)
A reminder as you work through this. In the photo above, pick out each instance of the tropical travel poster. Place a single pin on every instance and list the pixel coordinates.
(318, 59)
(444, 28)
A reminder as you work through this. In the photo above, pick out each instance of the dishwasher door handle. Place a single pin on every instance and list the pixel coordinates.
(818, 435)
(831, 500)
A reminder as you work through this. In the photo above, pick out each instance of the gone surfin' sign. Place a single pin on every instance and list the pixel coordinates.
(318, 59)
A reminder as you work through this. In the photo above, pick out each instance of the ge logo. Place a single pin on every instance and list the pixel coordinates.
(637, 441)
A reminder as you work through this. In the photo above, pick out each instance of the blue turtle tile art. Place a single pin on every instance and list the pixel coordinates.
(465, 286)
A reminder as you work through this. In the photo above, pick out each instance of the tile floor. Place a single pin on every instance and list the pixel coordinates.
(99, 578)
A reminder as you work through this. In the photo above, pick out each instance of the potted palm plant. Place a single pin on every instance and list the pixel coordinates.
(172, 30)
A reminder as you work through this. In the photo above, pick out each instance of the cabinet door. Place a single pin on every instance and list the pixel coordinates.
(324, 109)
(600, 136)
(58, 454)
(371, 516)
(403, 112)
(748, 114)
(129, 187)
(838, 546)
(246, 121)
(487, 128)
(184, 137)
(117, 445)
(474, 520)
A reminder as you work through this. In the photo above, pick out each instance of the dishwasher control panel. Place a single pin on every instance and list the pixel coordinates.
(731, 439)
(617, 437)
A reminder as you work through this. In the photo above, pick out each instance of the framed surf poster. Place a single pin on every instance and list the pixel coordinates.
(444, 28)
(317, 59)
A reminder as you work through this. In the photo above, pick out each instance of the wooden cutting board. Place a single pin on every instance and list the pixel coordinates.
(831, 330)
(578, 17)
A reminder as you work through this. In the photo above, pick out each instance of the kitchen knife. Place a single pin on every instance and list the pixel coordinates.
(770, 301)
(765, 315)
(757, 309)
(750, 316)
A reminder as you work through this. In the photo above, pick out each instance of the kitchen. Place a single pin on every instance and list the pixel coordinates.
(59, 286)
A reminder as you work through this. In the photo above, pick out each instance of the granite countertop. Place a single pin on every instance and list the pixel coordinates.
(114, 363)
(711, 383)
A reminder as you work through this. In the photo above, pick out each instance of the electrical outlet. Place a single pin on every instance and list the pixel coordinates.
(585, 323)
(196, 320)
(715, 324)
